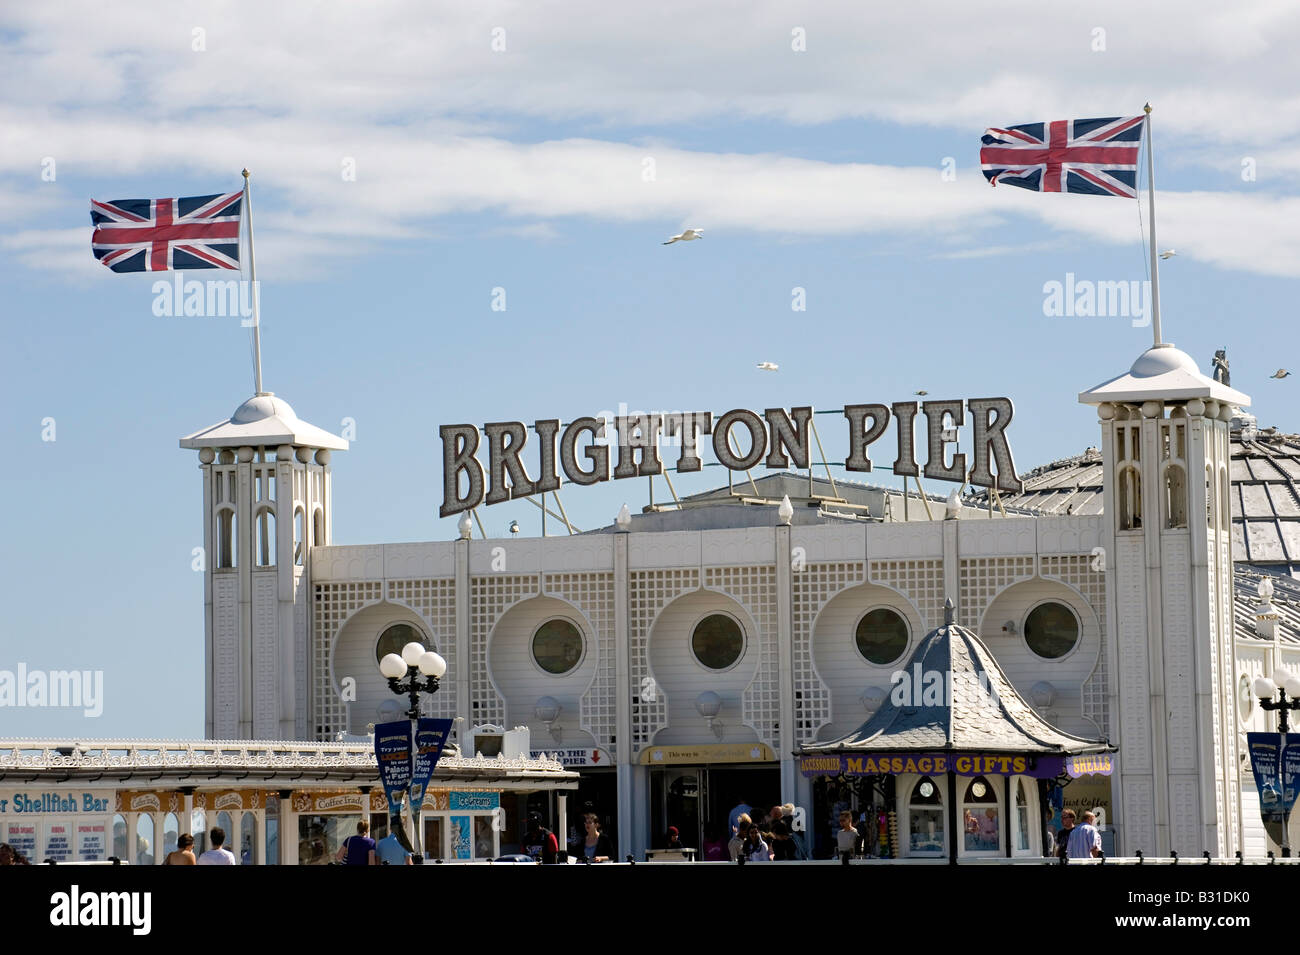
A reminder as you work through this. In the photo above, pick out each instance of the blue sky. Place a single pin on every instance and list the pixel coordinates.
(522, 169)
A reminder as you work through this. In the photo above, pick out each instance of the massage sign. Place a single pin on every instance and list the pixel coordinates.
(583, 452)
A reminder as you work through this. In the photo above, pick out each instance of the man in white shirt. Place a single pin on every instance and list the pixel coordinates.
(218, 854)
(1085, 839)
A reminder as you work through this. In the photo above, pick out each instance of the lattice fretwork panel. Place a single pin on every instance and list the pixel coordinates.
(921, 580)
(982, 578)
(814, 585)
(593, 594)
(649, 591)
(1077, 571)
(754, 588)
(434, 599)
(490, 597)
(334, 604)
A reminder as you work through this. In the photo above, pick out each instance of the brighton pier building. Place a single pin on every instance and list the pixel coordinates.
(692, 657)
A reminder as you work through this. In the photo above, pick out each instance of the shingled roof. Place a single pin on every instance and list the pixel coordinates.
(980, 712)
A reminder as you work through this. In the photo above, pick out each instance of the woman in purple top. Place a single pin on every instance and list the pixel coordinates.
(358, 849)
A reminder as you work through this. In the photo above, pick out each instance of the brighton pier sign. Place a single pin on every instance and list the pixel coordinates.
(778, 438)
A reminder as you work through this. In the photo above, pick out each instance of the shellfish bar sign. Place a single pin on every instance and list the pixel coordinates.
(778, 438)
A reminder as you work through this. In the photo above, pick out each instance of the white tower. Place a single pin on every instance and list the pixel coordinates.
(266, 504)
(1169, 580)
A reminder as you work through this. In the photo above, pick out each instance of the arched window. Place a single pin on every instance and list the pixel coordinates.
(317, 527)
(1175, 502)
(980, 820)
(226, 544)
(299, 529)
(1225, 502)
(1022, 817)
(266, 538)
(1209, 497)
(1130, 499)
(247, 839)
(925, 819)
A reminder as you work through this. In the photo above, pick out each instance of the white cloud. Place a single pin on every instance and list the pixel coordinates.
(415, 98)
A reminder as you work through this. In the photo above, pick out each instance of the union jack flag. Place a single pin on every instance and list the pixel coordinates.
(160, 235)
(1093, 156)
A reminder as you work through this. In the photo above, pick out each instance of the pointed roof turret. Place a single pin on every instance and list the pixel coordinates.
(957, 698)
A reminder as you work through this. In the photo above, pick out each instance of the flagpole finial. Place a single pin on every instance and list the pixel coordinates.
(1146, 109)
(244, 173)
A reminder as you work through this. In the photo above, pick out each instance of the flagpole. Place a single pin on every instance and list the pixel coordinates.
(1151, 216)
(252, 277)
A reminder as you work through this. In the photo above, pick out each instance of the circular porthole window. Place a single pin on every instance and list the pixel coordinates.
(397, 636)
(1051, 630)
(557, 646)
(717, 641)
(881, 636)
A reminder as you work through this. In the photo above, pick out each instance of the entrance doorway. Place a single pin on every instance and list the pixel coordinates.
(698, 800)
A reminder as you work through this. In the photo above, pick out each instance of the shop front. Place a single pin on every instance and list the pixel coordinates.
(284, 820)
(57, 823)
(695, 788)
(964, 768)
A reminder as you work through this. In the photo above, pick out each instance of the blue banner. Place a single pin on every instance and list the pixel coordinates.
(430, 738)
(393, 753)
(1277, 778)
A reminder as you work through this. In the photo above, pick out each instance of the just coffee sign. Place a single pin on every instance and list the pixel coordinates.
(777, 439)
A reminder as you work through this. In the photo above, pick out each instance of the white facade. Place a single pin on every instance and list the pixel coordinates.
(1154, 669)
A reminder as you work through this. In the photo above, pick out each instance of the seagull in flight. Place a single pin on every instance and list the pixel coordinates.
(768, 366)
(1280, 373)
(686, 235)
(921, 393)
(1168, 254)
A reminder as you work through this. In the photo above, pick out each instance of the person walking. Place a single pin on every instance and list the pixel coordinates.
(390, 851)
(1085, 839)
(1063, 834)
(358, 849)
(218, 854)
(183, 854)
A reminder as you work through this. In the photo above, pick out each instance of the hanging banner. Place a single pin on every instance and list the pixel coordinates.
(1277, 774)
(430, 738)
(393, 752)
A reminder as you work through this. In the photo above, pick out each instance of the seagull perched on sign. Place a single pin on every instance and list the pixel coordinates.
(1168, 254)
(686, 235)
(1280, 373)
(768, 366)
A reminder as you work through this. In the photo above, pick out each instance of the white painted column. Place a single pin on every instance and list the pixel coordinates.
(562, 819)
(246, 551)
(631, 834)
(462, 674)
(259, 837)
(1152, 488)
(155, 847)
(786, 740)
(209, 562)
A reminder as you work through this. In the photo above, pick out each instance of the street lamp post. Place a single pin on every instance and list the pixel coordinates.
(413, 661)
(1266, 689)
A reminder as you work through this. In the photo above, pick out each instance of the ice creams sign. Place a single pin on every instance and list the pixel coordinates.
(590, 450)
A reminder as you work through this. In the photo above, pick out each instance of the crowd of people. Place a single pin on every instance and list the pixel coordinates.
(773, 838)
